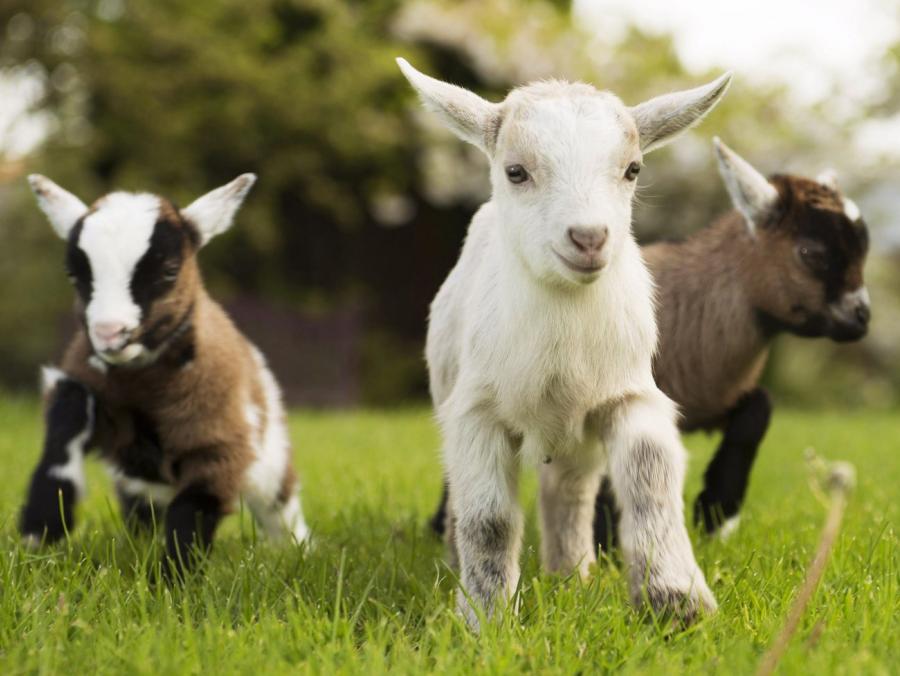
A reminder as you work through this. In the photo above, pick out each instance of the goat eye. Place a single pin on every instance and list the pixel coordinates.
(516, 173)
(815, 259)
(632, 171)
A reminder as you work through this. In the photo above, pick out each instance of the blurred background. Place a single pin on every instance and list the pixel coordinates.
(363, 200)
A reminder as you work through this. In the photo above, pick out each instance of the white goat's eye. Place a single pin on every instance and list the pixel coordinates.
(516, 173)
(632, 171)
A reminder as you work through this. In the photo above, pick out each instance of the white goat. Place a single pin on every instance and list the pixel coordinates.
(541, 340)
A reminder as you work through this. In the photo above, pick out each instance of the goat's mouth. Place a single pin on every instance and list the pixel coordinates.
(590, 266)
(124, 354)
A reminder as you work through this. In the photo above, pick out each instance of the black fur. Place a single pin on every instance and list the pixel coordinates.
(78, 267)
(438, 522)
(143, 458)
(190, 523)
(606, 517)
(156, 272)
(138, 513)
(726, 478)
(49, 508)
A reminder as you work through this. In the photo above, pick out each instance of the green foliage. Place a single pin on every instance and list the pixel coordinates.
(360, 202)
(373, 596)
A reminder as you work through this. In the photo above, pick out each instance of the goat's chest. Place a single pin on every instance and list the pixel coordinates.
(552, 386)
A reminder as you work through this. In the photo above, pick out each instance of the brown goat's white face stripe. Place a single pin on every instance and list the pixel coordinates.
(127, 252)
(115, 237)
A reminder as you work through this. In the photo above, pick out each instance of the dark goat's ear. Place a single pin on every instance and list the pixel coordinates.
(750, 192)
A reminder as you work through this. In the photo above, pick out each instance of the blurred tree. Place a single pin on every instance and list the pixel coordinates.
(362, 200)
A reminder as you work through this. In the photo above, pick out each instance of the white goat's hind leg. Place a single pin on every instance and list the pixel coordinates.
(647, 466)
(483, 472)
(568, 490)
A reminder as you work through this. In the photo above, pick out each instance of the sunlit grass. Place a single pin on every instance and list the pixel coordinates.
(373, 595)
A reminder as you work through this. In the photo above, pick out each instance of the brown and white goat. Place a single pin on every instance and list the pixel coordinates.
(181, 406)
(788, 259)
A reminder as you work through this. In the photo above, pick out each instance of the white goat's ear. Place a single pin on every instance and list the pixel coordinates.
(62, 208)
(663, 118)
(213, 213)
(750, 192)
(466, 114)
(829, 179)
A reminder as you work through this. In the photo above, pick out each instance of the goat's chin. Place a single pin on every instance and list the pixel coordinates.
(575, 274)
(131, 355)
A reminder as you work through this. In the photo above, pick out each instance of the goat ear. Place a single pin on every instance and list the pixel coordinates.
(466, 114)
(213, 213)
(829, 179)
(661, 119)
(61, 207)
(750, 192)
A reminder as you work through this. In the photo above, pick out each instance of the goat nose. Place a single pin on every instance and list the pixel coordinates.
(863, 313)
(588, 240)
(109, 331)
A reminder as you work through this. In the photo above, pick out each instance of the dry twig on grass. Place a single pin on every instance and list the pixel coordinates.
(833, 481)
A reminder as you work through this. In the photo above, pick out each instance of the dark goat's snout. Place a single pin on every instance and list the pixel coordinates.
(851, 317)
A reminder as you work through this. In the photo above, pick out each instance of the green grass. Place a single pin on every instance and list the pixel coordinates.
(373, 595)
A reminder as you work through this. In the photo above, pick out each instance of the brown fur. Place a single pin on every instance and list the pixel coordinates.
(712, 287)
(193, 395)
(195, 407)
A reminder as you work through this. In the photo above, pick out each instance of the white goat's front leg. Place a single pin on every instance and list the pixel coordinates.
(482, 471)
(647, 466)
(568, 489)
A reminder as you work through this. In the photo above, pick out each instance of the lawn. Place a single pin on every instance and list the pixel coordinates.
(373, 595)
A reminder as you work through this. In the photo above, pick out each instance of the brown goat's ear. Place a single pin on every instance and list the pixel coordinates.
(750, 192)
(661, 119)
(213, 213)
(61, 207)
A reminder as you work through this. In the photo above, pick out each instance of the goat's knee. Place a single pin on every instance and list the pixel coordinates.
(487, 521)
(488, 547)
(647, 464)
(58, 481)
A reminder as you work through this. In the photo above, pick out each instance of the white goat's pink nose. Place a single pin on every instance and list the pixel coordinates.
(108, 332)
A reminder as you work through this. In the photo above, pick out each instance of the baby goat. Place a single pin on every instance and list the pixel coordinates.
(541, 340)
(788, 259)
(182, 407)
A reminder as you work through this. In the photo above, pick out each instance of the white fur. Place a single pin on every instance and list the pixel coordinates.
(844, 309)
(73, 470)
(158, 494)
(50, 376)
(828, 178)
(115, 237)
(851, 210)
(214, 213)
(532, 360)
(271, 446)
(729, 527)
(61, 207)
(750, 192)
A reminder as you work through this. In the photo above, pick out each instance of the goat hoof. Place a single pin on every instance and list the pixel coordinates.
(713, 514)
(682, 607)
